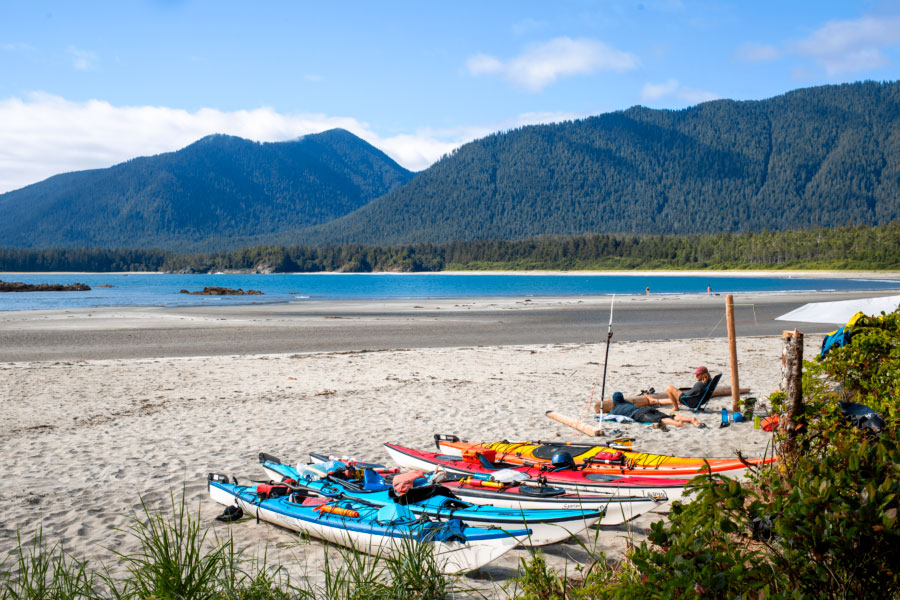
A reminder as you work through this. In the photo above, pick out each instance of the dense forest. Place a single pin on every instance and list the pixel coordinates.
(817, 157)
(853, 247)
(221, 192)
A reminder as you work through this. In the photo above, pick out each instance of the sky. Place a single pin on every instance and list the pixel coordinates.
(91, 84)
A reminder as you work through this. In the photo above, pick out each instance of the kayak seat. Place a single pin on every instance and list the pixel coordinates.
(373, 481)
(540, 491)
(546, 451)
(448, 458)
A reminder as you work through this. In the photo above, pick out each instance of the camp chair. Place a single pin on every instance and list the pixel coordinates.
(706, 395)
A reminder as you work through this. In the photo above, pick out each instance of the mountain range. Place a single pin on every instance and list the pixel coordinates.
(221, 192)
(823, 156)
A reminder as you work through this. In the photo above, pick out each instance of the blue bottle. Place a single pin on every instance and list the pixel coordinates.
(724, 418)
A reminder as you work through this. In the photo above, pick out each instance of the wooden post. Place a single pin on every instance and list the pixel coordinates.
(792, 383)
(732, 346)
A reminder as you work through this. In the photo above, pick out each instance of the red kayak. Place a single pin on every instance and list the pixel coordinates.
(571, 479)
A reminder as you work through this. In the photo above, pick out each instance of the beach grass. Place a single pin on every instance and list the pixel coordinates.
(179, 559)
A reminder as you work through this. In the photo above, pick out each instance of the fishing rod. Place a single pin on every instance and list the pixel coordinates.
(609, 335)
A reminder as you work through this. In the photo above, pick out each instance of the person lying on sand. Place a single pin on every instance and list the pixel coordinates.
(688, 396)
(647, 414)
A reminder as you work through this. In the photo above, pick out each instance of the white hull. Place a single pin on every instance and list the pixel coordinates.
(667, 494)
(453, 557)
(615, 510)
(542, 534)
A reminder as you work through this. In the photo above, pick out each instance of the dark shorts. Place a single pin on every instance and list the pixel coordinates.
(649, 415)
(689, 401)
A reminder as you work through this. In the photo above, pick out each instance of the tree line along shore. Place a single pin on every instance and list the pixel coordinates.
(845, 248)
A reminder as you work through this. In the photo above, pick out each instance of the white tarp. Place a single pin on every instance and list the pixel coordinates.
(840, 312)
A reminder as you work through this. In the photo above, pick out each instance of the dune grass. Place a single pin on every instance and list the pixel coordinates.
(178, 559)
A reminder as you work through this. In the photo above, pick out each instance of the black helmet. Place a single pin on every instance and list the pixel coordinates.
(562, 459)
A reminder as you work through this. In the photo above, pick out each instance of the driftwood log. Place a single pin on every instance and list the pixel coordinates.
(585, 428)
(722, 390)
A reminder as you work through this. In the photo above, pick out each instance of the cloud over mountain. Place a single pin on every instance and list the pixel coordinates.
(542, 64)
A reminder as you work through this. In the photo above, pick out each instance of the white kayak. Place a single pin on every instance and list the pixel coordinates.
(382, 532)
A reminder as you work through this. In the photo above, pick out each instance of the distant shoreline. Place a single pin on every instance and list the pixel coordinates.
(806, 274)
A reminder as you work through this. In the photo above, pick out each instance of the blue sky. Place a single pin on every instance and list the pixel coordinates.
(90, 84)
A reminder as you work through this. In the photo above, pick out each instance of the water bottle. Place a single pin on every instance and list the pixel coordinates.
(724, 418)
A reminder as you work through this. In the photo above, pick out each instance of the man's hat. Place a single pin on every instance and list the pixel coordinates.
(700, 369)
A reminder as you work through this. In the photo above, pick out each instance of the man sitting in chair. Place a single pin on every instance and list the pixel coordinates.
(688, 396)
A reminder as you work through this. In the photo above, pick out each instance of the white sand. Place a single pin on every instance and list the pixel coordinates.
(83, 441)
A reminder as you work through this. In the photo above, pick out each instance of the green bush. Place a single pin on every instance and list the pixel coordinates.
(868, 368)
(823, 525)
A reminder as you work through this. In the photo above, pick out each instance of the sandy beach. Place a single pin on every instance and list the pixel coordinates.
(88, 429)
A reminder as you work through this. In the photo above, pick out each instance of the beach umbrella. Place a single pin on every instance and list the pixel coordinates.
(841, 311)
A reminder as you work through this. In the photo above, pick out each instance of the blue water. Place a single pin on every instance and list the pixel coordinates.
(162, 289)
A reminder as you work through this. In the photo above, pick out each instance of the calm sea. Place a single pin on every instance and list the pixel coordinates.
(163, 289)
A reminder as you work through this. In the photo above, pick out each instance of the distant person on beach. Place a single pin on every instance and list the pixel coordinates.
(648, 290)
(647, 414)
(691, 395)
(708, 291)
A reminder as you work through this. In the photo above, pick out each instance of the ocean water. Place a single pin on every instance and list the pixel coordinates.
(163, 289)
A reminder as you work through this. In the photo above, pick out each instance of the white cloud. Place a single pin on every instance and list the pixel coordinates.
(756, 53)
(42, 135)
(852, 45)
(653, 93)
(482, 64)
(542, 64)
(82, 60)
(16, 47)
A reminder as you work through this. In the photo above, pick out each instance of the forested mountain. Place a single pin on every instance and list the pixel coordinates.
(824, 156)
(817, 157)
(219, 193)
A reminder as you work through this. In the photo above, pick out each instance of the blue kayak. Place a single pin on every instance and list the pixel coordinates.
(547, 526)
(380, 531)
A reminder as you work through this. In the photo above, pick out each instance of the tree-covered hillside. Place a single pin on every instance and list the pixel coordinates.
(844, 248)
(824, 156)
(218, 193)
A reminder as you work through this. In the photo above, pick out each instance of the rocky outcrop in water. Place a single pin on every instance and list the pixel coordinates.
(18, 286)
(222, 291)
